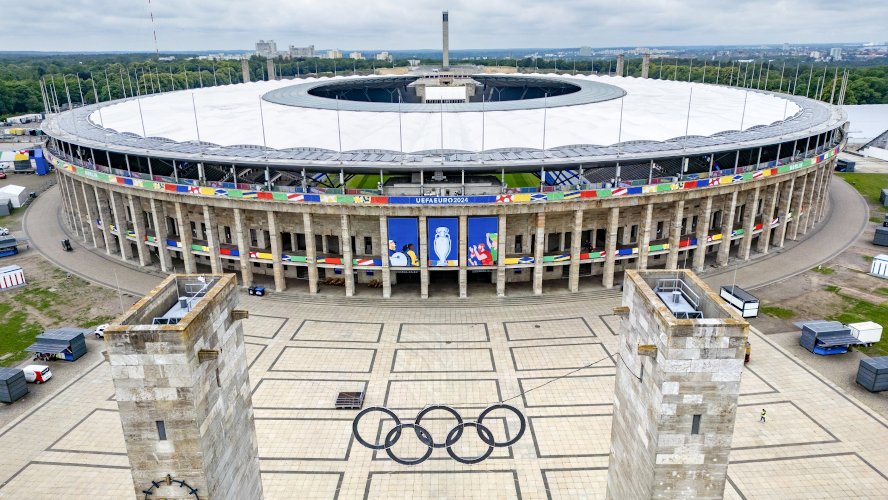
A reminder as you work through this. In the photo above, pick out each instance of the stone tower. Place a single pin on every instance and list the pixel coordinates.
(645, 65)
(445, 37)
(676, 392)
(181, 382)
(621, 61)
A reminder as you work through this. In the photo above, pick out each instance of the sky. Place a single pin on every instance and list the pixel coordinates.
(181, 25)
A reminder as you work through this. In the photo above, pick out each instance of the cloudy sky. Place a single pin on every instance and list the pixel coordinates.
(102, 25)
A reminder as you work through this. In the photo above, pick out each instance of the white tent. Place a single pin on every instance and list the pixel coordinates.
(17, 194)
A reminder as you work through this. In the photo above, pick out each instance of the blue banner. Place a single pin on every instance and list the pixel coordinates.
(403, 241)
(443, 241)
(440, 200)
(482, 241)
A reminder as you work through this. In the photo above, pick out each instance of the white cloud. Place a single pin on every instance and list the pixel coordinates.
(102, 25)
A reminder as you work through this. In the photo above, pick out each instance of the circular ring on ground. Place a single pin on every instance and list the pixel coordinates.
(431, 408)
(384, 445)
(502, 406)
(482, 429)
(391, 438)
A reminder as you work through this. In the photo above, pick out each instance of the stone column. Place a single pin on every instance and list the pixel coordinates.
(104, 211)
(242, 237)
(783, 213)
(463, 250)
(72, 188)
(245, 69)
(538, 253)
(158, 214)
(644, 237)
(727, 227)
(311, 254)
(764, 241)
(423, 257)
(126, 251)
(645, 65)
(748, 223)
(610, 257)
(501, 257)
(702, 235)
(212, 239)
(348, 270)
(621, 61)
(139, 228)
(811, 181)
(575, 241)
(812, 205)
(185, 238)
(824, 192)
(280, 284)
(386, 272)
(799, 199)
(66, 198)
(675, 235)
(90, 216)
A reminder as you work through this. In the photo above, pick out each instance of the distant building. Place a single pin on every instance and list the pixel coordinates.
(384, 56)
(302, 51)
(835, 53)
(355, 55)
(815, 55)
(334, 54)
(585, 51)
(266, 49)
(167, 58)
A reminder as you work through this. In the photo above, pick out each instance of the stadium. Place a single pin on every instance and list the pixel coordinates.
(467, 179)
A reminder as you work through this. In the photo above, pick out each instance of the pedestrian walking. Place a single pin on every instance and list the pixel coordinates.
(762, 420)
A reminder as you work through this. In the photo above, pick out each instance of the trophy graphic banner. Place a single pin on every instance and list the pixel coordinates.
(443, 241)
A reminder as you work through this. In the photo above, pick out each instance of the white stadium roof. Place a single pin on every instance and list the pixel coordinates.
(652, 110)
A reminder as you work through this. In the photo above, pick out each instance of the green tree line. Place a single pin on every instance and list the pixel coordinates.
(112, 76)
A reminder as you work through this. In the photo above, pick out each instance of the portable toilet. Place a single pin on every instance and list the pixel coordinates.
(12, 385)
(879, 267)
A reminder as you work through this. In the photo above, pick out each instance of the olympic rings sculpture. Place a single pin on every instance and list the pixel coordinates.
(426, 438)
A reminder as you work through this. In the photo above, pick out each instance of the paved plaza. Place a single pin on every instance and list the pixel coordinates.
(817, 442)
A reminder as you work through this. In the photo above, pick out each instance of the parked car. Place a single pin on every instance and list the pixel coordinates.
(37, 373)
(4, 231)
(2, 175)
(100, 331)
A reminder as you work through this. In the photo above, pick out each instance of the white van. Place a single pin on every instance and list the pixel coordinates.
(37, 373)
(100, 330)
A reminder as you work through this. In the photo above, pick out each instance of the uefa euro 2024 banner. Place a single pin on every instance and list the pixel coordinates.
(443, 241)
(403, 241)
(482, 241)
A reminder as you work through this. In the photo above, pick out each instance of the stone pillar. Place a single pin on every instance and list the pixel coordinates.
(610, 256)
(78, 209)
(272, 75)
(90, 216)
(621, 61)
(824, 192)
(785, 206)
(675, 235)
(66, 198)
(645, 65)
(702, 235)
(501, 257)
(242, 237)
(644, 237)
(139, 228)
(423, 257)
(799, 200)
(727, 227)
(575, 248)
(679, 447)
(280, 283)
(245, 69)
(811, 219)
(463, 260)
(158, 214)
(386, 270)
(126, 251)
(538, 253)
(212, 239)
(348, 271)
(811, 182)
(104, 211)
(185, 238)
(311, 254)
(764, 241)
(752, 200)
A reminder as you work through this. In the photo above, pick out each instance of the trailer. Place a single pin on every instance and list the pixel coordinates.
(8, 246)
(741, 300)
(67, 344)
(827, 337)
(11, 277)
(867, 331)
(879, 267)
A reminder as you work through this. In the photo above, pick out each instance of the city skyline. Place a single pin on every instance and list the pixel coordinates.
(187, 26)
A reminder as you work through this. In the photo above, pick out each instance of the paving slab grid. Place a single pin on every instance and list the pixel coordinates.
(817, 443)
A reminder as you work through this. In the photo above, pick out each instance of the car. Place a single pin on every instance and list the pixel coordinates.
(100, 330)
(4, 231)
(2, 175)
(37, 373)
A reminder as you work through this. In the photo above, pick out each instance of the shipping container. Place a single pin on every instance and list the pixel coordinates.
(11, 277)
(879, 267)
(867, 331)
(13, 385)
(740, 299)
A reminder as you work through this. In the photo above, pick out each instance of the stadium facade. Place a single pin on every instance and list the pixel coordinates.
(402, 181)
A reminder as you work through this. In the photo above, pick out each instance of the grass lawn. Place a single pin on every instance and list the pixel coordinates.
(869, 185)
(856, 310)
(17, 332)
(777, 312)
(522, 180)
(823, 270)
